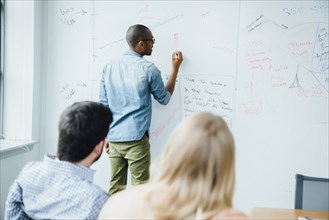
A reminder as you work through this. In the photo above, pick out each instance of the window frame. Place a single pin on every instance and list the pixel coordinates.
(2, 44)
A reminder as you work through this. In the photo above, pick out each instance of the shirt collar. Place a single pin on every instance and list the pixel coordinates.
(132, 53)
(69, 168)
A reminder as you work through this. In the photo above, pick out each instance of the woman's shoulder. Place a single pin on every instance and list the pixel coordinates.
(128, 196)
(231, 214)
(117, 205)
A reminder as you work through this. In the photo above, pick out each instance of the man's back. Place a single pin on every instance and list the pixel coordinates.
(127, 85)
(54, 189)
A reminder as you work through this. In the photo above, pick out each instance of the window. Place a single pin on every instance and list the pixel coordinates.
(17, 81)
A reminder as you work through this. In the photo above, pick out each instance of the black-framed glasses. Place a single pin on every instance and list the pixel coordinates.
(153, 40)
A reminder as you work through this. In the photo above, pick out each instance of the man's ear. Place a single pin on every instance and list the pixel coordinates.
(99, 147)
(140, 44)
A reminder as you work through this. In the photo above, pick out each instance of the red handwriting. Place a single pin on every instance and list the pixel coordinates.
(206, 14)
(176, 41)
(257, 60)
(159, 129)
(278, 69)
(144, 9)
(311, 92)
(299, 49)
(253, 108)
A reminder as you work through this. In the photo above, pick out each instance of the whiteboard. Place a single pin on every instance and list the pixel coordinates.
(262, 65)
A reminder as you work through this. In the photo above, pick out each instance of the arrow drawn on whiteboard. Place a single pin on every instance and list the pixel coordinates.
(282, 26)
(259, 22)
(81, 84)
(82, 12)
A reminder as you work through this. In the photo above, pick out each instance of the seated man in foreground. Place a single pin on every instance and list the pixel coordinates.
(60, 187)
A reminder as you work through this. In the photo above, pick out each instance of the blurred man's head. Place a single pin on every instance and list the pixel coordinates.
(82, 126)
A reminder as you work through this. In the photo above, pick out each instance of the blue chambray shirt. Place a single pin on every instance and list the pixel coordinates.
(54, 189)
(126, 87)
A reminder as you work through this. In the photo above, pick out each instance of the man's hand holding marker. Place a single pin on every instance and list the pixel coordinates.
(177, 58)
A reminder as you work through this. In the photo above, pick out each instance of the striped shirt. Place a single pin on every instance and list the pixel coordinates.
(54, 189)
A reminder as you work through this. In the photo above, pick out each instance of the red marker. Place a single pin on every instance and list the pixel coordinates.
(176, 56)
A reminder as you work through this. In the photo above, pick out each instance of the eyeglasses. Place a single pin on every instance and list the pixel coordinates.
(153, 40)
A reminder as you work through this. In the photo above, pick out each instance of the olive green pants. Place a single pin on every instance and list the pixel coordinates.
(132, 154)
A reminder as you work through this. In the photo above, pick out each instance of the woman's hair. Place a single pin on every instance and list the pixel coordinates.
(196, 170)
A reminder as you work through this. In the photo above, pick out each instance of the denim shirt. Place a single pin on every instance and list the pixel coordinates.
(126, 87)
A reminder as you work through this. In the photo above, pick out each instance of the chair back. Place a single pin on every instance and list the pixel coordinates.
(312, 193)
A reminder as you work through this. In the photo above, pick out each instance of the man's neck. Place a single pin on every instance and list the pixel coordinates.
(85, 162)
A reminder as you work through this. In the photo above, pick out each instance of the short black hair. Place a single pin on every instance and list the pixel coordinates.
(81, 127)
(136, 33)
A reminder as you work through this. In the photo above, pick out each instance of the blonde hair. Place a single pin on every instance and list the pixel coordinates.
(197, 169)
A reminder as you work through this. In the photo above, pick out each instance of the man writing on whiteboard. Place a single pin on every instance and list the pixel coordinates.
(126, 87)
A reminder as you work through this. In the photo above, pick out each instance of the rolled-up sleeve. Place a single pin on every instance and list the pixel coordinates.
(158, 88)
